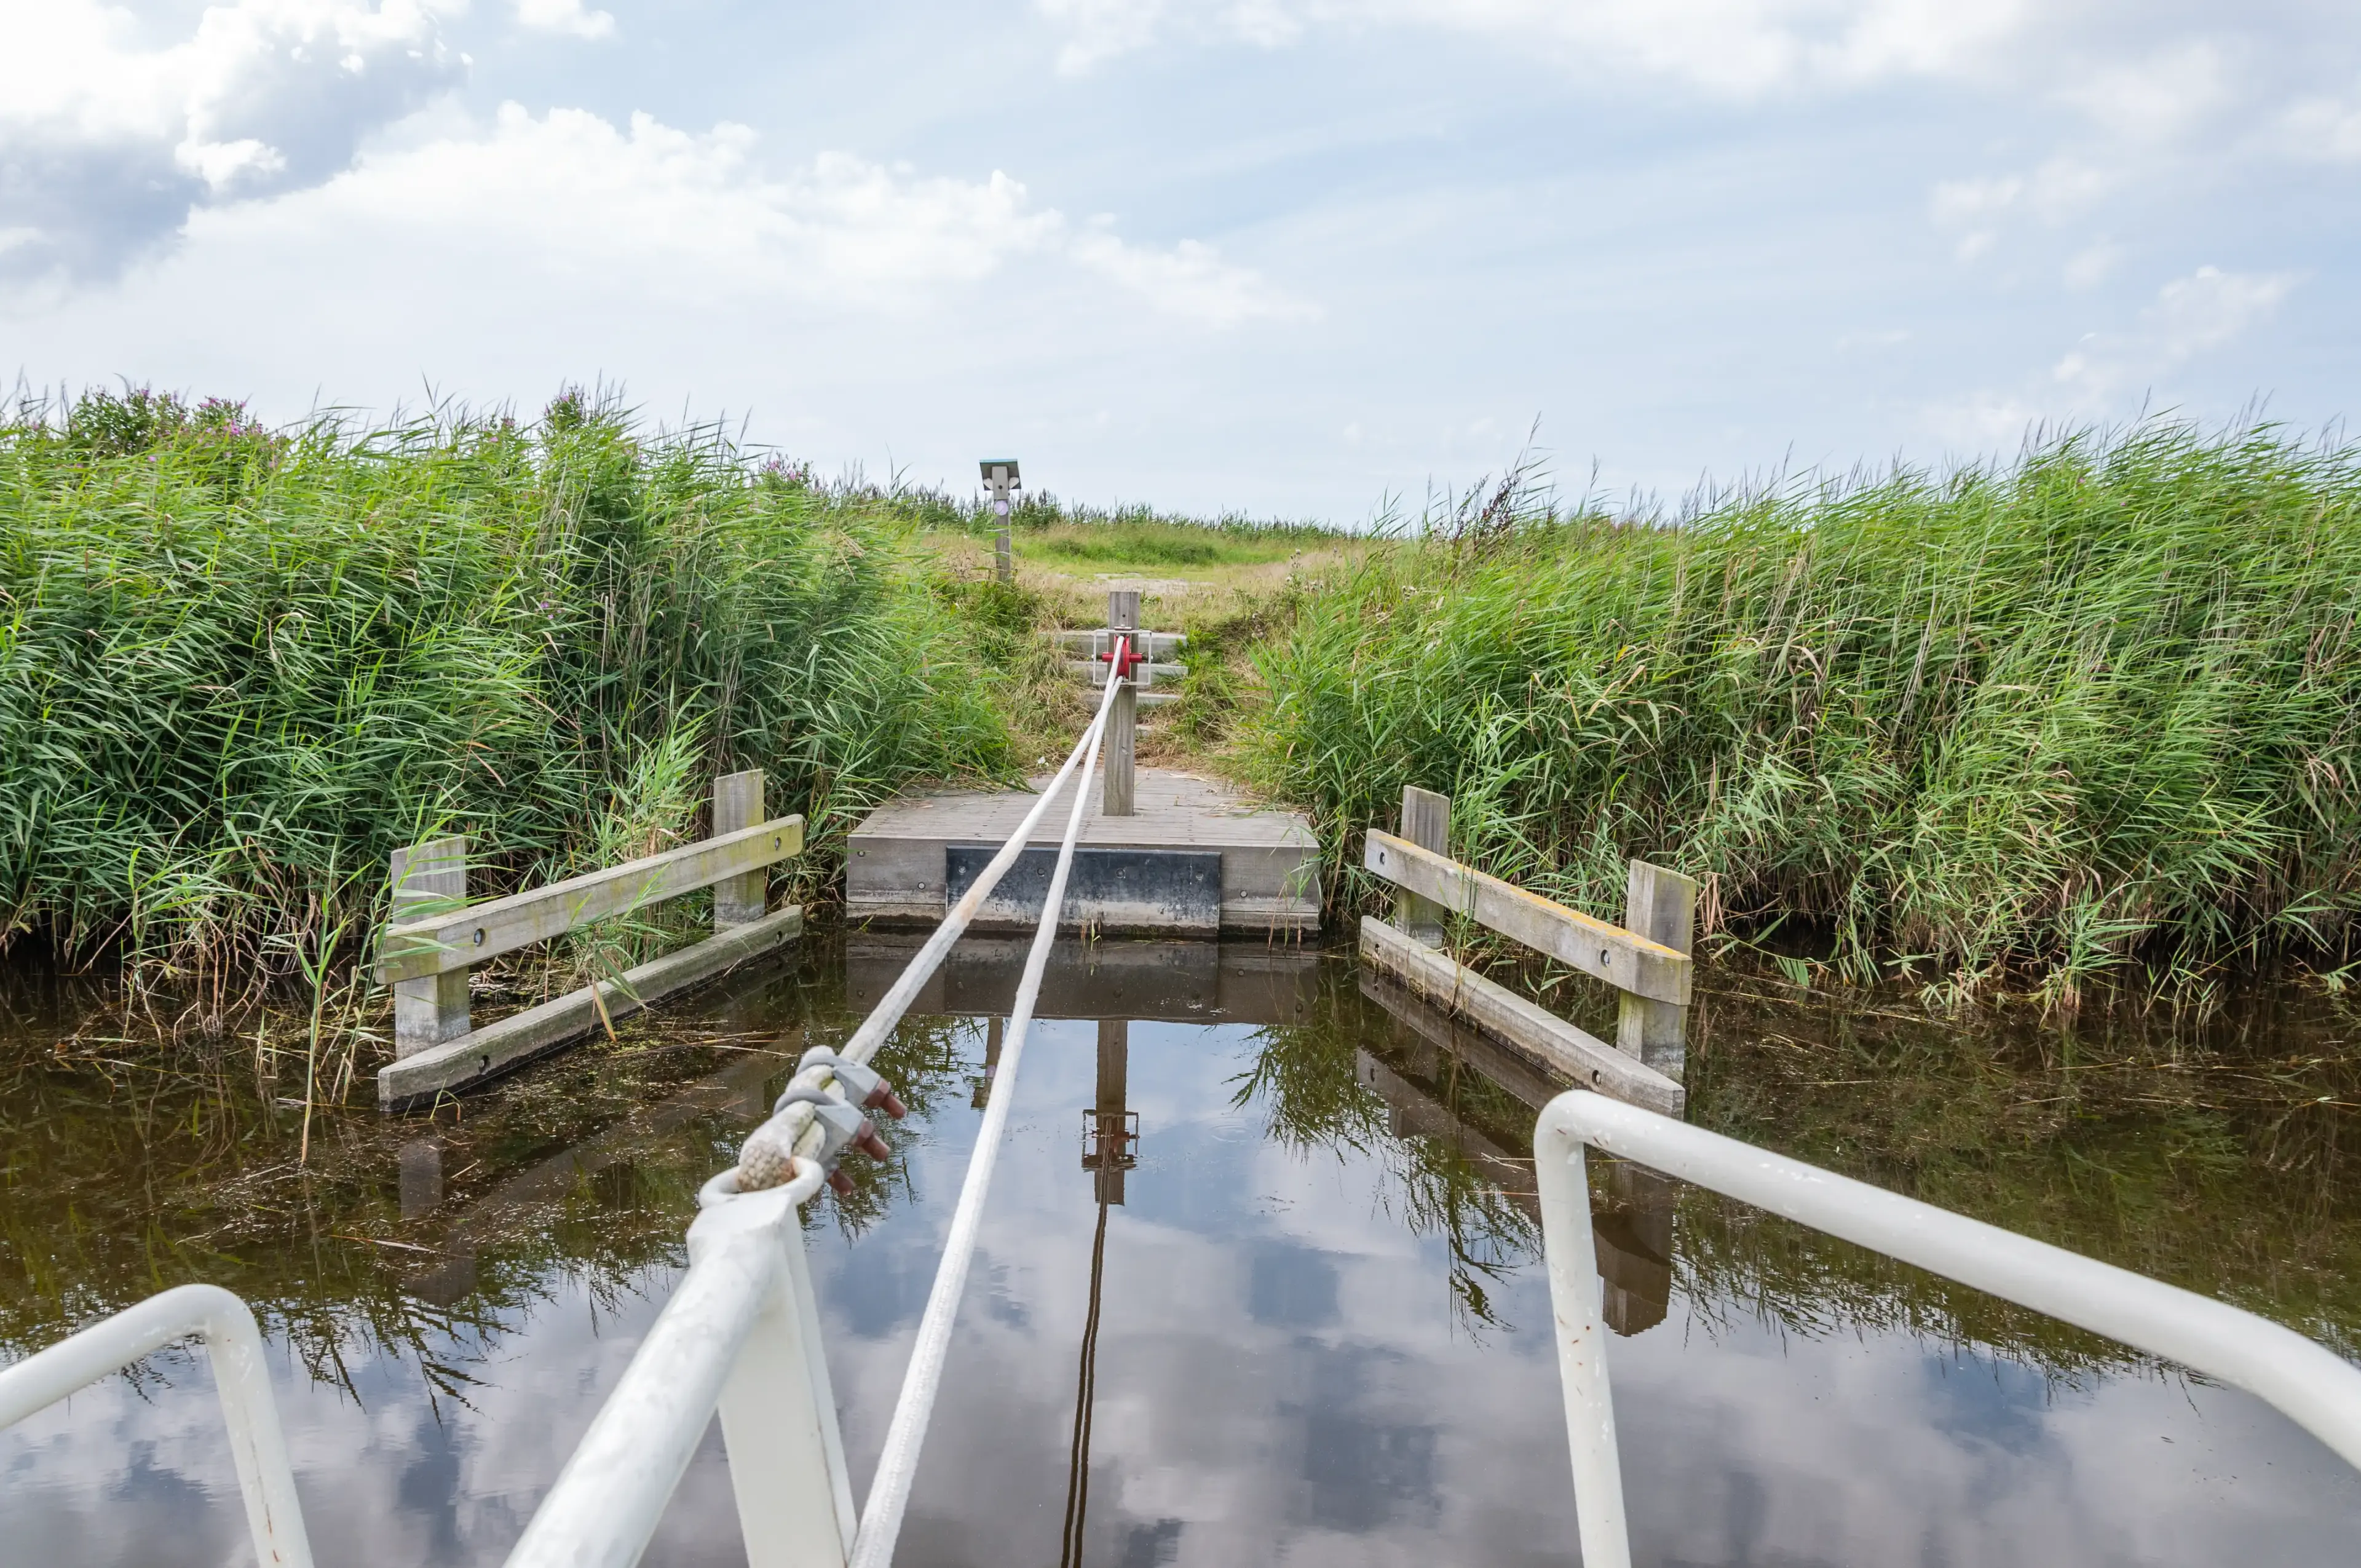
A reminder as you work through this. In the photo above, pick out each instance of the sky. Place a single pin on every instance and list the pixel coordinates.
(1313, 258)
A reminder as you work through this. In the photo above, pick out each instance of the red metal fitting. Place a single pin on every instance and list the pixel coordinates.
(1125, 656)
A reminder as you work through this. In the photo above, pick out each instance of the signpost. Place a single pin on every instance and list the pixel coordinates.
(1000, 478)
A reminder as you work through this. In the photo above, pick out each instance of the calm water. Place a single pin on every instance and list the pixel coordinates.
(1321, 1325)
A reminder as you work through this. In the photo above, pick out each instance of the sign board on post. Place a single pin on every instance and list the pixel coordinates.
(999, 478)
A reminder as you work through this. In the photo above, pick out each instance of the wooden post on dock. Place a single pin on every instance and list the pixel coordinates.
(1123, 718)
(1426, 822)
(1661, 906)
(736, 805)
(429, 879)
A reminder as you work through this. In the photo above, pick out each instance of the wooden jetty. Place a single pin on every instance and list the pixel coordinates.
(1193, 858)
(1161, 852)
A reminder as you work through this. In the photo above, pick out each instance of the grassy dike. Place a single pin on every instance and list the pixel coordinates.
(239, 666)
(2094, 706)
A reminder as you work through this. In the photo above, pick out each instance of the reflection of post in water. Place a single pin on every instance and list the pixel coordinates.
(1113, 1133)
(738, 1089)
(1631, 1222)
(447, 1283)
(1109, 1144)
(1632, 1231)
(421, 1177)
(993, 1028)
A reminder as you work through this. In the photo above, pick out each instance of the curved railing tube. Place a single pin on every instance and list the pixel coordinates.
(241, 1377)
(2311, 1384)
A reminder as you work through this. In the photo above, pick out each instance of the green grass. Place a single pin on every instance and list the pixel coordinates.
(2098, 703)
(1039, 516)
(1133, 542)
(239, 666)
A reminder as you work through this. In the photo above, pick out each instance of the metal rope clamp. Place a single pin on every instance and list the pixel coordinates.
(862, 1087)
(840, 1120)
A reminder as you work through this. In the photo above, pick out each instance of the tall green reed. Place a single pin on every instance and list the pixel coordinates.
(2097, 703)
(234, 659)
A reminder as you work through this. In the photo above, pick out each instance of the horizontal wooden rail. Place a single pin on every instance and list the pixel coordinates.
(481, 1055)
(1589, 1061)
(480, 931)
(1621, 957)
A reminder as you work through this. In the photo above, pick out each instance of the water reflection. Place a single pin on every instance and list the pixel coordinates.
(1258, 1282)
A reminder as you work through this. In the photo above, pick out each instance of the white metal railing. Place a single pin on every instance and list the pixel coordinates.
(234, 1347)
(741, 1334)
(2314, 1385)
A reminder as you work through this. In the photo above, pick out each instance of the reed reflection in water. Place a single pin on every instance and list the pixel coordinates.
(1312, 1328)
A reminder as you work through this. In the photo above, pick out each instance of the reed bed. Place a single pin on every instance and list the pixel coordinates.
(239, 666)
(2094, 706)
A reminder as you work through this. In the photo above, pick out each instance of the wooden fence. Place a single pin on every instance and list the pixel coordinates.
(1646, 958)
(435, 935)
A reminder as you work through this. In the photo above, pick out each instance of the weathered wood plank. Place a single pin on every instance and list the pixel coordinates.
(1426, 822)
(1123, 715)
(738, 806)
(1621, 958)
(1589, 1061)
(503, 924)
(1660, 904)
(429, 879)
(1513, 1071)
(496, 1049)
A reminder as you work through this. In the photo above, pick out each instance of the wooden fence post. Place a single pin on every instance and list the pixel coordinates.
(1659, 905)
(432, 1009)
(1123, 718)
(738, 806)
(1426, 822)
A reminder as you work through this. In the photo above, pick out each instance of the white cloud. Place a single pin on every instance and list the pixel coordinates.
(683, 214)
(1741, 48)
(2108, 374)
(2091, 265)
(2325, 128)
(1190, 279)
(2057, 190)
(2061, 187)
(2211, 307)
(2157, 98)
(565, 16)
(106, 144)
(2192, 315)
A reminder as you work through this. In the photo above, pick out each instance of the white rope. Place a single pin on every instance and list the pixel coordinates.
(889, 1493)
(766, 1157)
